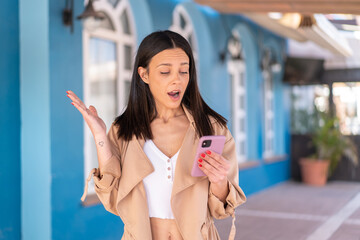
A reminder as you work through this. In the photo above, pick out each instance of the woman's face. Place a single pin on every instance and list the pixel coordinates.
(167, 77)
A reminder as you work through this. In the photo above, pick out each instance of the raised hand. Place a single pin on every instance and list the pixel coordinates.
(90, 115)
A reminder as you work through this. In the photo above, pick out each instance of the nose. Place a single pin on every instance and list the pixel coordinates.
(176, 78)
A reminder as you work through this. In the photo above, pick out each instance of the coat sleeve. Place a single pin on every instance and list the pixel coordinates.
(106, 179)
(236, 196)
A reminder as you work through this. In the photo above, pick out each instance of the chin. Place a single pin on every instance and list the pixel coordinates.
(176, 104)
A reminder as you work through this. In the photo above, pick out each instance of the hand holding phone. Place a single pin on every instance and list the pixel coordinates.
(212, 143)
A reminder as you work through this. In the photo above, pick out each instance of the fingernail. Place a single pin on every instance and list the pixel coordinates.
(72, 103)
(68, 96)
(200, 160)
(67, 92)
(203, 155)
(200, 165)
(208, 152)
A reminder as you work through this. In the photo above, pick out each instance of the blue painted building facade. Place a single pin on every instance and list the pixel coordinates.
(42, 136)
(10, 175)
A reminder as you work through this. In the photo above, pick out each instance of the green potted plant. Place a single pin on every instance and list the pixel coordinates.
(330, 146)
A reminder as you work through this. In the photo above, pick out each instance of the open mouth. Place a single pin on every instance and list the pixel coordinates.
(174, 93)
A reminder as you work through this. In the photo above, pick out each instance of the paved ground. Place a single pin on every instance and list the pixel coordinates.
(294, 211)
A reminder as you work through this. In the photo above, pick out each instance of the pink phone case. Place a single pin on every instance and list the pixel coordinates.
(217, 145)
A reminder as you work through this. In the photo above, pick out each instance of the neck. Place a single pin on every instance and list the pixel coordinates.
(166, 114)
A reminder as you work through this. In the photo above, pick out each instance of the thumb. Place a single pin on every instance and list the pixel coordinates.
(93, 110)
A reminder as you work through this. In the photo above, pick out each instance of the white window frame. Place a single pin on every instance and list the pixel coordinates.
(187, 32)
(237, 69)
(269, 114)
(123, 75)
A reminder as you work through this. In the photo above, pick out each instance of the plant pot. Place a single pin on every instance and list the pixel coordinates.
(314, 171)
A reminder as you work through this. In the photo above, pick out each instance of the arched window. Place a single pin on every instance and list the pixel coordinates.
(237, 71)
(108, 55)
(269, 67)
(183, 25)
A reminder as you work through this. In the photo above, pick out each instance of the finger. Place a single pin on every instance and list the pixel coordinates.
(212, 161)
(76, 99)
(215, 156)
(93, 110)
(216, 170)
(81, 109)
(71, 94)
(219, 159)
(209, 161)
(213, 176)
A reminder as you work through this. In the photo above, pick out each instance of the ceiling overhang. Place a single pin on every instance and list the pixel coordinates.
(316, 29)
(300, 20)
(284, 6)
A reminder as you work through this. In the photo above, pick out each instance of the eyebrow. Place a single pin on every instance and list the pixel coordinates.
(168, 64)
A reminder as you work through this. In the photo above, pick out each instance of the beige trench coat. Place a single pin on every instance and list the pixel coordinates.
(120, 188)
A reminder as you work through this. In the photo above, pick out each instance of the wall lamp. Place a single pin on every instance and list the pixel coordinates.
(88, 13)
(233, 48)
(67, 15)
(268, 62)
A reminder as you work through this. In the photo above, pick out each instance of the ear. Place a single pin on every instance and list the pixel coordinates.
(143, 73)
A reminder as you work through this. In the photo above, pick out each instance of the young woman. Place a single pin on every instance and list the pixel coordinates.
(145, 160)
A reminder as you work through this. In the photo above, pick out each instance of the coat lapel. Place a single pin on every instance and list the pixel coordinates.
(136, 167)
(184, 164)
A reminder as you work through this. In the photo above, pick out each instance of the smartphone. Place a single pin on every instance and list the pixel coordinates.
(212, 143)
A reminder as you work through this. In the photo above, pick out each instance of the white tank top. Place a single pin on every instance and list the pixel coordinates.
(158, 185)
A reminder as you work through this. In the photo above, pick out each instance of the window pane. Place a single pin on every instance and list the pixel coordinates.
(268, 144)
(242, 125)
(346, 97)
(269, 105)
(242, 148)
(231, 78)
(114, 2)
(128, 57)
(270, 81)
(242, 101)
(242, 80)
(127, 90)
(306, 103)
(102, 78)
(182, 21)
(270, 126)
(190, 39)
(124, 19)
(102, 88)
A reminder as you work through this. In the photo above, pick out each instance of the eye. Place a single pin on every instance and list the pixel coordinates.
(164, 73)
(184, 71)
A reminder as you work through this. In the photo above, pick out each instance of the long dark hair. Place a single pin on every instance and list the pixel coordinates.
(141, 108)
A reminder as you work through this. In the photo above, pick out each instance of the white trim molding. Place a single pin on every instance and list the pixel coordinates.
(237, 72)
(183, 25)
(269, 114)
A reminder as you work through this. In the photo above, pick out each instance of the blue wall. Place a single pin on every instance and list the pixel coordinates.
(35, 118)
(263, 176)
(9, 120)
(142, 18)
(161, 12)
